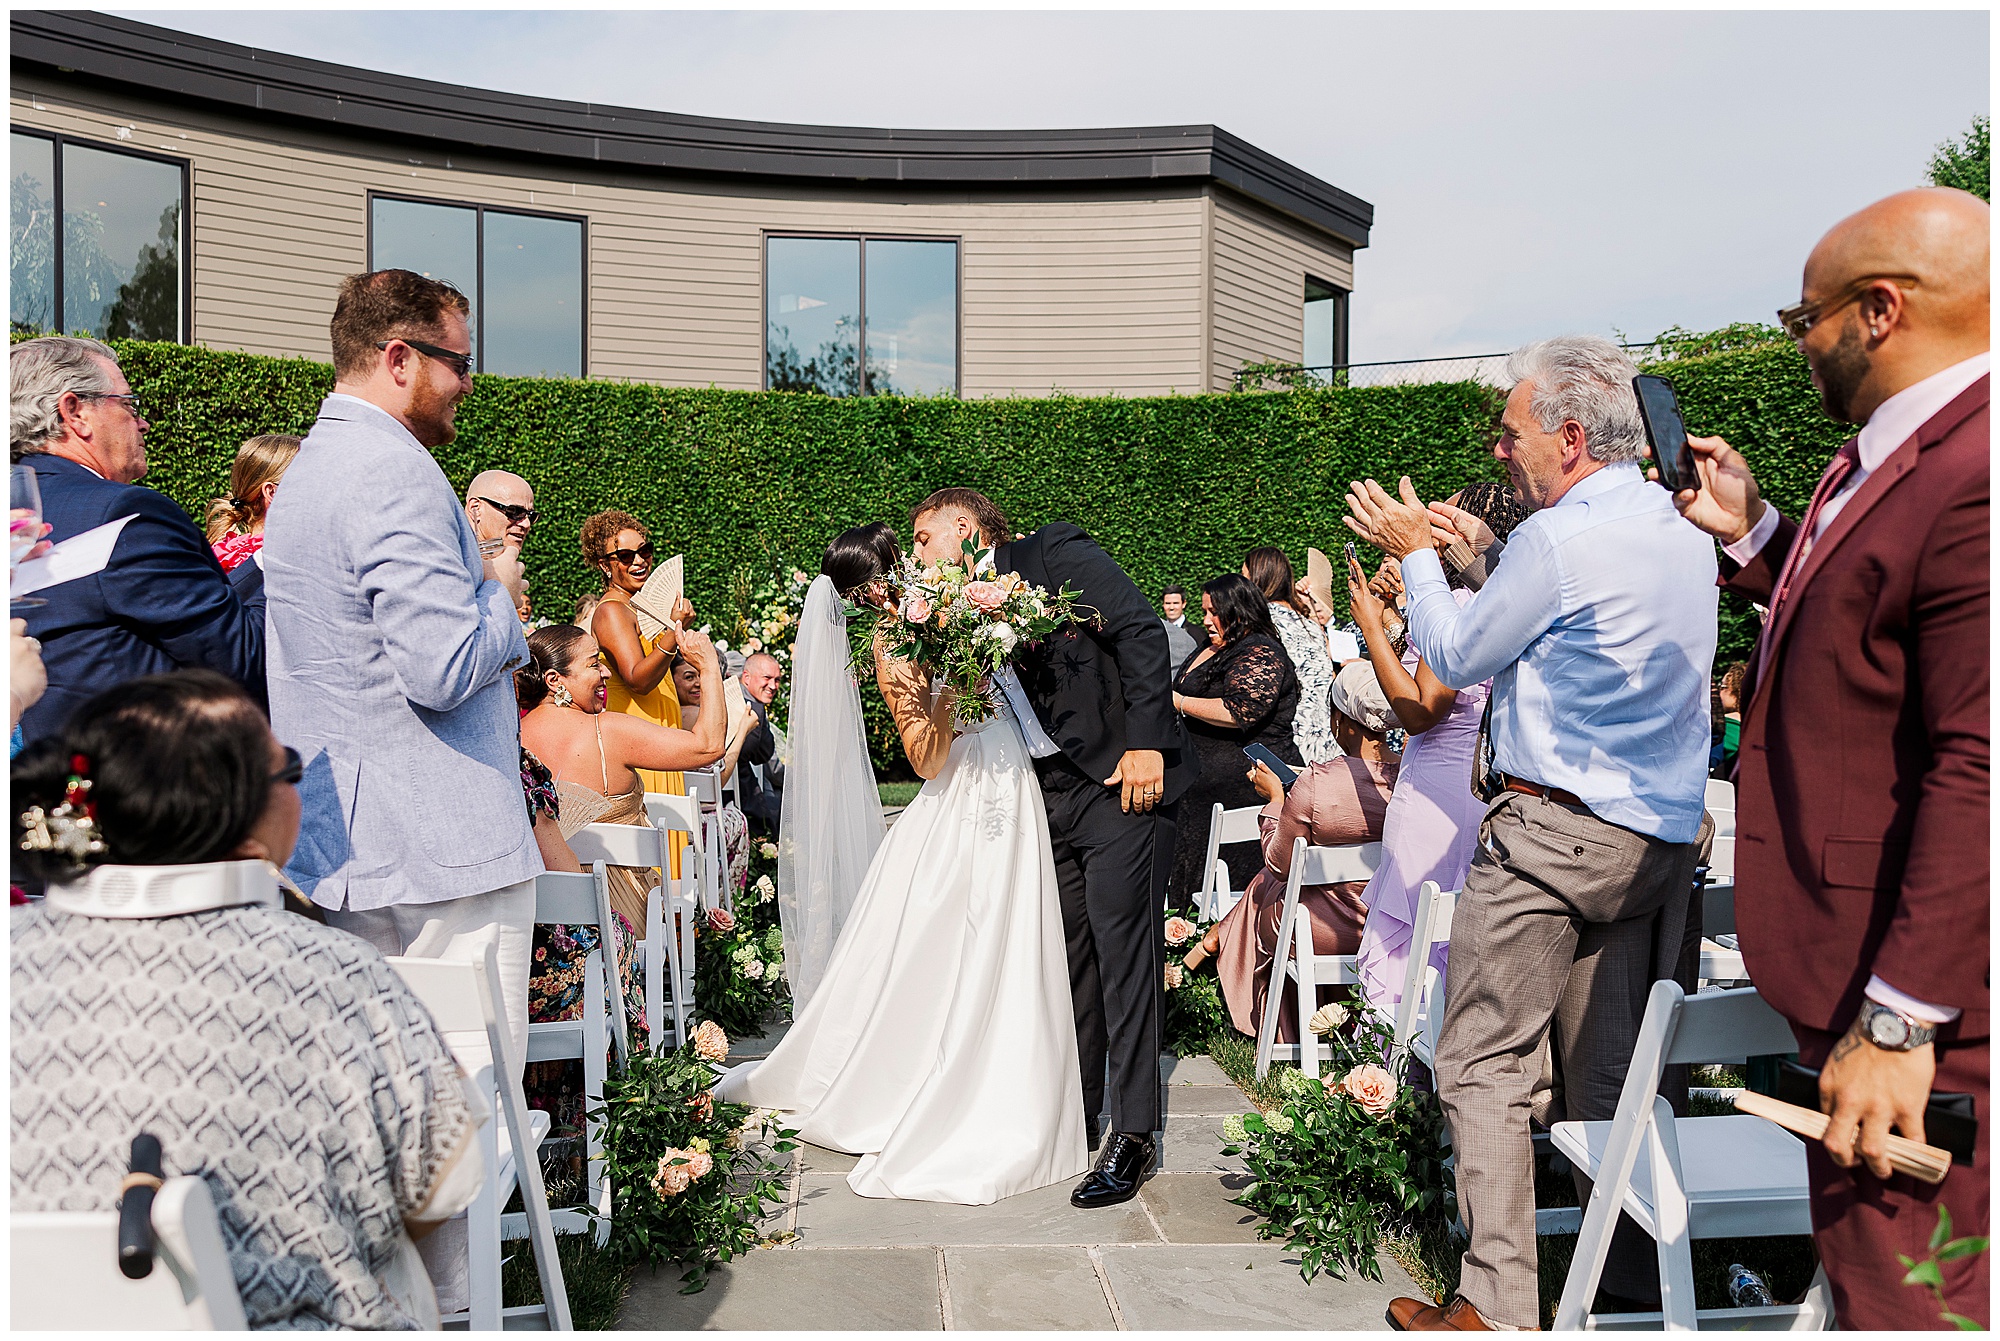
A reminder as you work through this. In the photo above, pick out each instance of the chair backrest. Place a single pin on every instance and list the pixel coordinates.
(565, 897)
(679, 813)
(451, 991)
(1336, 865)
(1238, 825)
(585, 900)
(1725, 1026)
(1722, 858)
(704, 784)
(1720, 795)
(65, 1277)
(618, 844)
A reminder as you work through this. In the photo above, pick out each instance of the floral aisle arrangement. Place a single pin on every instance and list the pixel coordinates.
(739, 969)
(961, 622)
(1344, 1157)
(690, 1176)
(1195, 1009)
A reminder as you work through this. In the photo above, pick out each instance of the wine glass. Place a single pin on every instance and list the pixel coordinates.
(24, 524)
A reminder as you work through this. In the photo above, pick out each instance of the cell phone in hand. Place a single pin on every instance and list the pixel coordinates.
(1660, 410)
(1353, 559)
(1287, 775)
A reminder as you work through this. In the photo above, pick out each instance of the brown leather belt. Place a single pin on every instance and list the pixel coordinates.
(1527, 788)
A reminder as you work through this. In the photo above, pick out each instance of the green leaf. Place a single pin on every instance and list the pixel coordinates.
(1925, 1273)
(1965, 1247)
(1942, 1234)
(1962, 1323)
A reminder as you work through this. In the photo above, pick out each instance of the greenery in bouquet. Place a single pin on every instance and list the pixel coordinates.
(691, 1177)
(961, 622)
(1195, 1009)
(739, 970)
(1345, 1157)
(759, 895)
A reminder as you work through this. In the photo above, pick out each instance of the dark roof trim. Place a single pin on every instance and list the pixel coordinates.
(161, 61)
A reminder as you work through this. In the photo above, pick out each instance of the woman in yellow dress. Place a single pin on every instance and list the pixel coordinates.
(640, 684)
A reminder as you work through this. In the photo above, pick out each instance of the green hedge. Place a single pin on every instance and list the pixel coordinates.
(1177, 488)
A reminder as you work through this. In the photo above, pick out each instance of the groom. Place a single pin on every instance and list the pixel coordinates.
(1095, 705)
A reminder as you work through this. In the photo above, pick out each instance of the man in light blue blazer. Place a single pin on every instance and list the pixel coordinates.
(391, 650)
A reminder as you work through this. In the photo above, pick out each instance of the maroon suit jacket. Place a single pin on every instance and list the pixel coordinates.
(1861, 804)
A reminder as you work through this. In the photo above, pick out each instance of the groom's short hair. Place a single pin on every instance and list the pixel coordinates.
(992, 521)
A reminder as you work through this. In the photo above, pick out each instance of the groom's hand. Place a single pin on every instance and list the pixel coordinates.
(1140, 779)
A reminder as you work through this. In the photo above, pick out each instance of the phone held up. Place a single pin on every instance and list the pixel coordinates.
(1661, 412)
(1287, 775)
(1353, 559)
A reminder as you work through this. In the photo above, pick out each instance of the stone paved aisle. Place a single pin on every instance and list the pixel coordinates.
(1179, 1257)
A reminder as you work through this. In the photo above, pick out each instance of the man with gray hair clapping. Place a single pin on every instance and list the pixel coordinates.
(1598, 632)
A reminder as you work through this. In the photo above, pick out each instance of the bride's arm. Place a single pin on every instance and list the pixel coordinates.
(922, 721)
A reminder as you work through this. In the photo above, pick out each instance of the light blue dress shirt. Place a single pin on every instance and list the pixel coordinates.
(1598, 629)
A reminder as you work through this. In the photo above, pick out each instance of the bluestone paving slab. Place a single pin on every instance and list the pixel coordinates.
(779, 1289)
(1193, 1071)
(831, 1215)
(1194, 1207)
(1194, 1145)
(1206, 1288)
(818, 1159)
(1207, 1099)
(753, 1046)
(1025, 1289)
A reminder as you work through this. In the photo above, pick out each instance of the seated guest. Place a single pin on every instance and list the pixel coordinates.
(1334, 804)
(595, 754)
(586, 609)
(1237, 690)
(735, 827)
(163, 602)
(760, 781)
(1180, 643)
(501, 507)
(236, 523)
(281, 1061)
(1305, 643)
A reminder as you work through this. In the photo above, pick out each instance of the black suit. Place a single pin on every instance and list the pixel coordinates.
(1099, 691)
(760, 778)
(246, 579)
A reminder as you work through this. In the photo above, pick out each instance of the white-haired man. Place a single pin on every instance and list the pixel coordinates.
(501, 507)
(1598, 632)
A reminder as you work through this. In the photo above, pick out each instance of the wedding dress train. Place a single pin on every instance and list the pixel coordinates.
(940, 1044)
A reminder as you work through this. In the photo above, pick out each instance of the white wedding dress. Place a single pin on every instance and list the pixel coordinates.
(938, 1042)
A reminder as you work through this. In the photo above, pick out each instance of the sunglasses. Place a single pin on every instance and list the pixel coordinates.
(1800, 318)
(294, 769)
(512, 512)
(460, 363)
(626, 556)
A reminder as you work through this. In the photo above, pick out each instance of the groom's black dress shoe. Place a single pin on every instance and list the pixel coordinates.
(1118, 1174)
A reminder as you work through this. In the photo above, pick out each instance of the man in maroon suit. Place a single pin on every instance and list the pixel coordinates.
(1862, 839)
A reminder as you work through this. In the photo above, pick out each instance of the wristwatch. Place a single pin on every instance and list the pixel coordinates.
(1893, 1031)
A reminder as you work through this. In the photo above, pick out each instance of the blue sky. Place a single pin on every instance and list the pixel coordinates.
(1531, 173)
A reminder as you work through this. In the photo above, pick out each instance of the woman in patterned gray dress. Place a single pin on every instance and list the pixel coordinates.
(1304, 642)
(162, 986)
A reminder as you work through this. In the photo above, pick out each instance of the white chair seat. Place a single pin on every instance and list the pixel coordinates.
(1745, 1177)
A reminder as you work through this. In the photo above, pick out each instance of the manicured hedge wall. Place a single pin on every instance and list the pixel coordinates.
(1176, 488)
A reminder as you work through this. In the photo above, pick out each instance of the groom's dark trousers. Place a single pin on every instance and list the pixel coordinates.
(1111, 870)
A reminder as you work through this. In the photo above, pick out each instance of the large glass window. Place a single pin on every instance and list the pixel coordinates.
(522, 273)
(1326, 326)
(114, 269)
(849, 316)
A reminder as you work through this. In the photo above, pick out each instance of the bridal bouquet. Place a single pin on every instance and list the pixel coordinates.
(961, 622)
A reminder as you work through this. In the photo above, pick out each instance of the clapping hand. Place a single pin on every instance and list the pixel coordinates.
(1396, 528)
(1454, 525)
(1727, 504)
(700, 651)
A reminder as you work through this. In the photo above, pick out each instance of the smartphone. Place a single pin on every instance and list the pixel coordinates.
(1353, 559)
(1661, 411)
(1287, 775)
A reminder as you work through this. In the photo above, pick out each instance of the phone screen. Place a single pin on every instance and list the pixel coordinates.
(1661, 411)
(1286, 774)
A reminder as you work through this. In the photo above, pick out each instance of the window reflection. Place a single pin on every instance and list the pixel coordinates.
(1323, 334)
(534, 295)
(121, 245)
(31, 234)
(812, 318)
(912, 314)
(436, 241)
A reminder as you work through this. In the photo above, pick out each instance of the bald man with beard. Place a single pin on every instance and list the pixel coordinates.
(1862, 792)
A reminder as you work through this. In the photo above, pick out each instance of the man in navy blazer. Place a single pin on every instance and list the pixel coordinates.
(162, 603)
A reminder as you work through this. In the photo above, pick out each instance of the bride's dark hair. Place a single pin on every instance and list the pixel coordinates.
(855, 558)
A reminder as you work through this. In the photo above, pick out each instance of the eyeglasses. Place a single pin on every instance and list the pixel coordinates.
(461, 363)
(1800, 318)
(294, 769)
(513, 513)
(625, 556)
(126, 398)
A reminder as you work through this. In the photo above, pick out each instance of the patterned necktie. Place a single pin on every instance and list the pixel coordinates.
(1837, 471)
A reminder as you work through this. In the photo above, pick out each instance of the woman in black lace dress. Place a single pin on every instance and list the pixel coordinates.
(1239, 689)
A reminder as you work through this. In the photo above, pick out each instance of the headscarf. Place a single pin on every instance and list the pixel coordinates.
(1358, 696)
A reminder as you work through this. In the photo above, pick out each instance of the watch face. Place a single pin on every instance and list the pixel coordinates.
(1887, 1029)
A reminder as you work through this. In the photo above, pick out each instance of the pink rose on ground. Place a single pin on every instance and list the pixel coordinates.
(916, 609)
(710, 1043)
(1178, 930)
(986, 595)
(721, 921)
(1372, 1087)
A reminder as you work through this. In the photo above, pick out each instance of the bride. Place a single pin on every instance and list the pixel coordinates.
(933, 1033)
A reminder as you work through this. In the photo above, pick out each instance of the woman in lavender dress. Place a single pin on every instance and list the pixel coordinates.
(1434, 817)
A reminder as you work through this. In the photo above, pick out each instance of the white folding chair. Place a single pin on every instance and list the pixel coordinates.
(1720, 800)
(463, 998)
(1420, 1013)
(670, 907)
(65, 1274)
(1224, 826)
(705, 786)
(1681, 1179)
(1295, 957)
(582, 900)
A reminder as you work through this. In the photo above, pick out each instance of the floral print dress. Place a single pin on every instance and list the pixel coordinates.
(1305, 644)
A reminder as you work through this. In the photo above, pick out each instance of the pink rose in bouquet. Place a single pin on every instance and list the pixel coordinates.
(916, 609)
(710, 1043)
(986, 596)
(1372, 1087)
(1178, 930)
(721, 921)
(673, 1178)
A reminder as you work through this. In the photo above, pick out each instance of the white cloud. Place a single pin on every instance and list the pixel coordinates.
(1531, 172)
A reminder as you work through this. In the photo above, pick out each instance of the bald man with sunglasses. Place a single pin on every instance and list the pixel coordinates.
(501, 507)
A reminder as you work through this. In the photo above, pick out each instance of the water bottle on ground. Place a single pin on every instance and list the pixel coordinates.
(1747, 1289)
